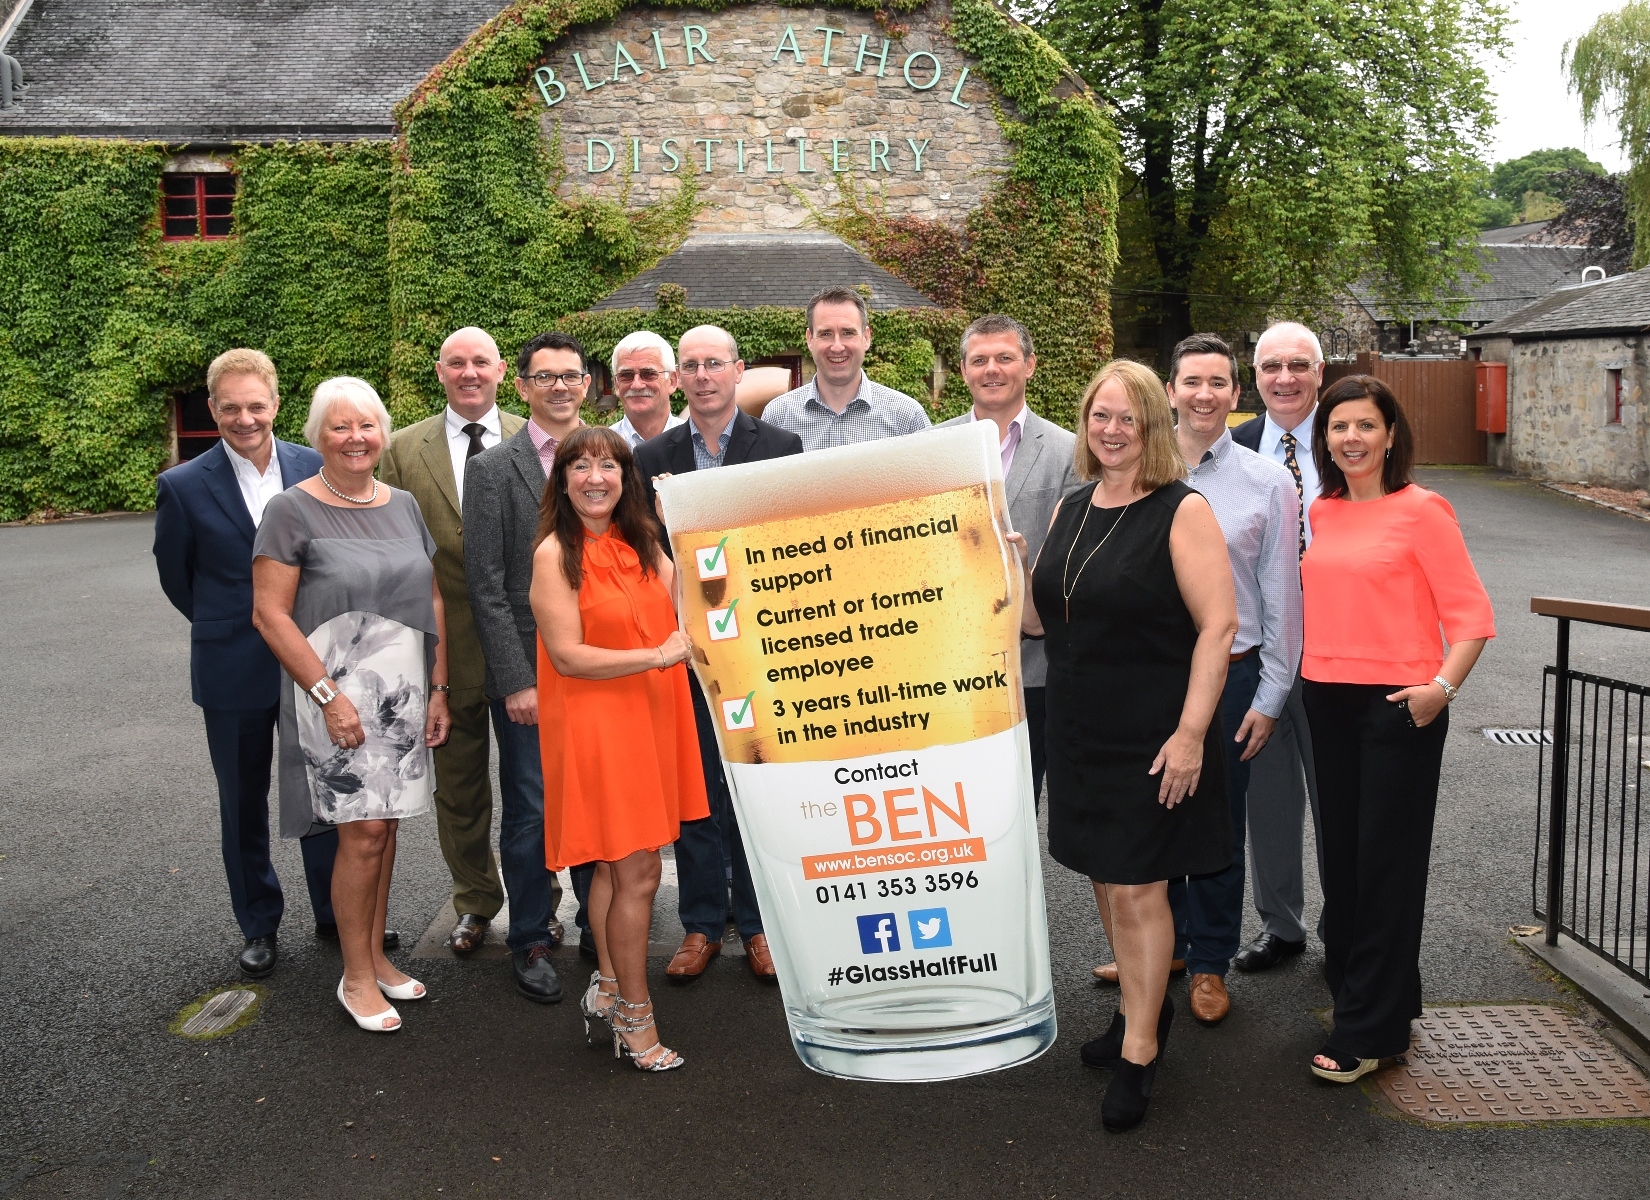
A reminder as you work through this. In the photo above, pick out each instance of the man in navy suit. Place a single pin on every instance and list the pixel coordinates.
(207, 512)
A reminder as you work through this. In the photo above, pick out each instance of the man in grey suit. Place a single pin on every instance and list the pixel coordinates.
(1038, 469)
(503, 487)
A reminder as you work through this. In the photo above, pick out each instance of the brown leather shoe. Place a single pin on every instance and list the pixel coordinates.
(1107, 972)
(759, 958)
(469, 933)
(693, 957)
(1210, 1003)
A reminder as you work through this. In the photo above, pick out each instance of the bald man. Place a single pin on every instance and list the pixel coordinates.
(428, 460)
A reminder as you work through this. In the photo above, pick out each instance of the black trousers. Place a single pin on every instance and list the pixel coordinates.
(1037, 735)
(1377, 793)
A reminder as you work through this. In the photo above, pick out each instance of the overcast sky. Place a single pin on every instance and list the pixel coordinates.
(1535, 108)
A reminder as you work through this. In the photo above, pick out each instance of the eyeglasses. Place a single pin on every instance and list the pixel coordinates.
(1297, 366)
(545, 379)
(646, 375)
(712, 366)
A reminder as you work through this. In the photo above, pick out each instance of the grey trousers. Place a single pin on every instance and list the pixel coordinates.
(1281, 781)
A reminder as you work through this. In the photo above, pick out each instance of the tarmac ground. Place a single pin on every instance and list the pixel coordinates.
(114, 915)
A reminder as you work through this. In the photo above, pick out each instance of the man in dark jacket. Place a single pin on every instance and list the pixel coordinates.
(709, 853)
(207, 512)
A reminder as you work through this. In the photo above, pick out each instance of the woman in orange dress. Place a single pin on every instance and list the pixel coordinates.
(616, 730)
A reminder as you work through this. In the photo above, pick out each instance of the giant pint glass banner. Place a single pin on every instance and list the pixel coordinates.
(855, 616)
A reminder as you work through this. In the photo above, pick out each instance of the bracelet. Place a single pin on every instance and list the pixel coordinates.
(1450, 690)
(322, 692)
(663, 665)
(440, 687)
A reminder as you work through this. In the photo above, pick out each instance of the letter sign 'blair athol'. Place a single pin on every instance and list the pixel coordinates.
(873, 732)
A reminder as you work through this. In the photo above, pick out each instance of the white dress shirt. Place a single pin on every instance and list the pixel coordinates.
(257, 487)
(1011, 443)
(1271, 446)
(627, 431)
(458, 442)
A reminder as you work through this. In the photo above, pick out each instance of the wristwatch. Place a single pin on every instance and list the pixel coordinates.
(1450, 690)
(322, 692)
(440, 687)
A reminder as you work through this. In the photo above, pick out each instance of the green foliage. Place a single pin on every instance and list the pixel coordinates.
(1288, 148)
(1539, 171)
(104, 323)
(1609, 68)
(1496, 214)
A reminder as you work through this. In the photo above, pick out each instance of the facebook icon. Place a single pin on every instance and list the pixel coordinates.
(878, 933)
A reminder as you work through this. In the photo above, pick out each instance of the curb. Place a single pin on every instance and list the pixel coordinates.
(1616, 994)
(1636, 514)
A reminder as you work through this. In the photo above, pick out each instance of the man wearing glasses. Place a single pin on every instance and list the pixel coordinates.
(644, 372)
(1289, 373)
(427, 459)
(710, 856)
(841, 405)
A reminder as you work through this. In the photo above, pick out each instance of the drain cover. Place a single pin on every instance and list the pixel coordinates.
(218, 1014)
(1520, 737)
(1524, 1063)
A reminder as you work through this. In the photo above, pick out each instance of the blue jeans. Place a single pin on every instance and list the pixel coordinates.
(710, 855)
(1208, 909)
(534, 891)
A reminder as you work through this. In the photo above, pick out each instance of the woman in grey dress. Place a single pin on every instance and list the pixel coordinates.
(345, 595)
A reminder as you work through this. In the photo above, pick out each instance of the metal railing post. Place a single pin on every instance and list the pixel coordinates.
(1557, 799)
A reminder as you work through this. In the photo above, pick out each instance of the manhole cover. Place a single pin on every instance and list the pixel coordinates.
(1519, 737)
(217, 1014)
(1524, 1063)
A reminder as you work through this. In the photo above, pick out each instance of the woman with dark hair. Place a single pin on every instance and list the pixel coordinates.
(616, 729)
(1386, 570)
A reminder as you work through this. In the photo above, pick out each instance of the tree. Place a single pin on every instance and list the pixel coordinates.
(1595, 214)
(1286, 148)
(1609, 68)
(1541, 171)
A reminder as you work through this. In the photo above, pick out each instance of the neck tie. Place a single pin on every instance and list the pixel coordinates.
(1300, 488)
(475, 431)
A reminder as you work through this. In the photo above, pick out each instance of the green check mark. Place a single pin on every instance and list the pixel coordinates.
(739, 714)
(727, 615)
(710, 563)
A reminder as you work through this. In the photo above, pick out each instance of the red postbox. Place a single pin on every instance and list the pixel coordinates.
(1491, 397)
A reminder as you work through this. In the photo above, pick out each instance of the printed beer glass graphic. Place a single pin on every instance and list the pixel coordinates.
(855, 617)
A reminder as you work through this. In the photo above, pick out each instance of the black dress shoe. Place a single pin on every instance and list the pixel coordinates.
(535, 977)
(1126, 1098)
(1268, 950)
(327, 931)
(258, 957)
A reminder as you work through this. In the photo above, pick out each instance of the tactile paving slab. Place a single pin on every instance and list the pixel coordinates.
(1512, 1063)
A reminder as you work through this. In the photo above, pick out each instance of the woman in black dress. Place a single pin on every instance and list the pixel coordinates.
(1133, 591)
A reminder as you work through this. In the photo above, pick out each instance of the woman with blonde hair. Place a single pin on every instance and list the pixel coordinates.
(1134, 593)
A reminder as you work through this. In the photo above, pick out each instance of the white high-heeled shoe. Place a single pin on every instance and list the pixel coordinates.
(411, 990)
(377, 1023)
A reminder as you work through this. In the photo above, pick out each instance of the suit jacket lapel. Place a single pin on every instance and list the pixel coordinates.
(1025, 458)
(528, 464)
(226, 489)
(682, 458)
(439, 462)
(741, 440)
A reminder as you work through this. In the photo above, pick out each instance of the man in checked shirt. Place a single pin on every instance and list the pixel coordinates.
(1256, 504)
(841, 405)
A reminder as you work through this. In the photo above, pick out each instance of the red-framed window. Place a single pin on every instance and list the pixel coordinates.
(196, 207)
(1613, 395)
(192, 419)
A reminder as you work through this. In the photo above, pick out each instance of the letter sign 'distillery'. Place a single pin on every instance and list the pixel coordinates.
(922, 71)
(857, 636)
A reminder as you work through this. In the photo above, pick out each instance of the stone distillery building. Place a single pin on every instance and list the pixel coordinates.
(343, 184)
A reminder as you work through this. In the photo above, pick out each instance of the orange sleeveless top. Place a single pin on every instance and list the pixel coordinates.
(621, 756)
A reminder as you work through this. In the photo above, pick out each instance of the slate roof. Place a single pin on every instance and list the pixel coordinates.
(251, 70)
(744, 270)
(1520, 271)
(1615, 306)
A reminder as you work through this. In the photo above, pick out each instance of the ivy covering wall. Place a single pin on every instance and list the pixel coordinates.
(358, 259)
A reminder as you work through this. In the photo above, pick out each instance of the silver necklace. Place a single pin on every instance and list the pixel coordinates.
(1070, 589)
(327, 483)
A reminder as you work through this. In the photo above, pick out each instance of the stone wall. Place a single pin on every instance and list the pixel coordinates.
(781, 126)
(1560, 409)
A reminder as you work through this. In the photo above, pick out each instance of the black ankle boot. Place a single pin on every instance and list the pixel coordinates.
(1105, 1051)
(1131, 1088)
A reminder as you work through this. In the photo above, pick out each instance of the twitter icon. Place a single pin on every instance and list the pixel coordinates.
(930, 928)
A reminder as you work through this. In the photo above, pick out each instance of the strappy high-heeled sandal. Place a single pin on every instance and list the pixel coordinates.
(587, 1004)
(658, 1056)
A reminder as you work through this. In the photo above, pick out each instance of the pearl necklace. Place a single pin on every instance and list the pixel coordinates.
(326, 483)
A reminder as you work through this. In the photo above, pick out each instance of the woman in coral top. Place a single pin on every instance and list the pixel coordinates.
(616, 730)
(1387, 569)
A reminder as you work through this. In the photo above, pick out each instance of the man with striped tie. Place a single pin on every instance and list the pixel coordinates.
(1289, 373)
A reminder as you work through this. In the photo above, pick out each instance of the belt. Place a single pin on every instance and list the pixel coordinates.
(1245, 654)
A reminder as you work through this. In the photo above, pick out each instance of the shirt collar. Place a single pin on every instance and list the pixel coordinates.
(489, 422)
(861, 396)
(540, 438)
(245, 466)
(1019, 418)
(1215, 453)
(721, 438)
(1302, 431)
